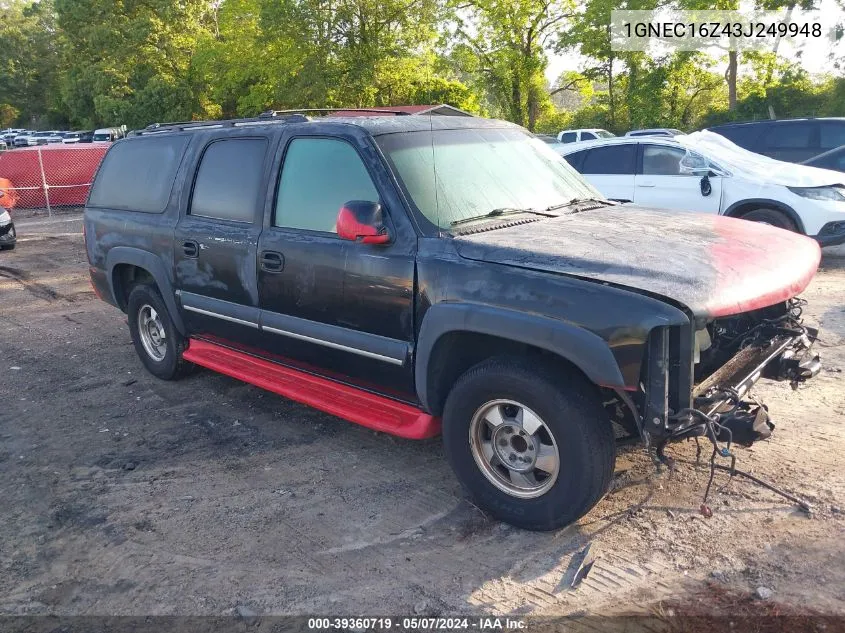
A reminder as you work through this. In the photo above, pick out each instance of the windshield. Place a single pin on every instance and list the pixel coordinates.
(102, 137)
(604, 134)
(453, 175)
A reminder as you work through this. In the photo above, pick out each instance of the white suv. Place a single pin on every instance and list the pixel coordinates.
(587, 134)
(706, 172)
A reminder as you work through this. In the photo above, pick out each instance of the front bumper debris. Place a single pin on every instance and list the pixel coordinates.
(722, 408)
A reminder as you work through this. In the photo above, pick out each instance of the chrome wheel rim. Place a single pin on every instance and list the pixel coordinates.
(514, 448)
(151, 331)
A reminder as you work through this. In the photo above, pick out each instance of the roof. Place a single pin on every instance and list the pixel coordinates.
(374, 124)
(758, 122)
(441, 109)
(570, 148)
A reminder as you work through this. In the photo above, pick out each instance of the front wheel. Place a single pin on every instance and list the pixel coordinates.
(772, 217)
(531, 444)
(157, 341)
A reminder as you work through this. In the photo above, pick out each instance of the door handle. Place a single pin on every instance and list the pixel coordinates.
(645, 184)
(190, 248)
(272, 262)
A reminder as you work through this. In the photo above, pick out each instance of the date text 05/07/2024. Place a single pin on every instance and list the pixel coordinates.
(484, 623)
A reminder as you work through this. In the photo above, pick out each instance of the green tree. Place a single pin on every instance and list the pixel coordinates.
(130, 62)
(504, 44)
(29, 59)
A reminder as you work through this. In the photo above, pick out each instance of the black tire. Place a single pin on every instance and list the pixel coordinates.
(7, 247)
(771, 216)
(171, 365)
(571, 409)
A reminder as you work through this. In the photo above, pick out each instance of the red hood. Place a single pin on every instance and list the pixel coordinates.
(713, 265)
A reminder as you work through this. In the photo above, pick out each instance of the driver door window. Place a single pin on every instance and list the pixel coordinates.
(665, 180)
(318, 177)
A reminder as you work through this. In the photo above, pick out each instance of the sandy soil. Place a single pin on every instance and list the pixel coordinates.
(123, 494)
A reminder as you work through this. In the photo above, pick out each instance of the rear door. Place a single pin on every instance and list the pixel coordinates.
(662, 182)
(217, 237)
(335, 307)
(610, 169)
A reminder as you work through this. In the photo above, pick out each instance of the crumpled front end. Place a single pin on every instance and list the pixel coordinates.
(696, 383)
(7, 229)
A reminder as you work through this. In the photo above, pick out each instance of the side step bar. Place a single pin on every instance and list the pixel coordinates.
(364, 408)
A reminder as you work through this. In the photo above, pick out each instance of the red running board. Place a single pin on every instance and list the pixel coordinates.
(364, 408)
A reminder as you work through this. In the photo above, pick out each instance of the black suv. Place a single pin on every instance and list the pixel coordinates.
(791, 140)
(414, 274)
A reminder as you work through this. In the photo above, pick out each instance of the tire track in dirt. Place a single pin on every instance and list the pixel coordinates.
(36, 289)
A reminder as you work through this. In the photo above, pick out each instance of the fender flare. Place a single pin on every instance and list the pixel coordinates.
(155, 266)
(582, 348)
(767, 202)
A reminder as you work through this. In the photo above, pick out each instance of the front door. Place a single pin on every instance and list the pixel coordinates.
(665, 184)
(216, 241)
(338, 308)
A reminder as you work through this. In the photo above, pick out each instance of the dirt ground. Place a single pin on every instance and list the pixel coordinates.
(123, 494)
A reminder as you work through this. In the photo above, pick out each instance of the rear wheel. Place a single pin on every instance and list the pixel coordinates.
(773, 217)
(532, 445)
(157, 341)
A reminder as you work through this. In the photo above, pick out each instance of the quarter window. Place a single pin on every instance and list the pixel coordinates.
(229, 179)
(138, 174)
(568, 137)
(319, 176)
(613, 160)
(832, 134)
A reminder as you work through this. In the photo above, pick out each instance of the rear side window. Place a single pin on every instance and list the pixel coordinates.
(568, 137)
(789, 136)
(742, 135)
(318, 177)
(832, 134)
(613, 160)
(138, 175)
(229, 179)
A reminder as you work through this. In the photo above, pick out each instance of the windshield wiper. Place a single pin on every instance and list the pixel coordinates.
(495, 213)
(555, 207)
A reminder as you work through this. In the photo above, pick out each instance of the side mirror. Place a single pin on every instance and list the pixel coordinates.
(362, 221)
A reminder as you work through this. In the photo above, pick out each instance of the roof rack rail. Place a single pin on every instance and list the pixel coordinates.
(263, 119)
(272, 113)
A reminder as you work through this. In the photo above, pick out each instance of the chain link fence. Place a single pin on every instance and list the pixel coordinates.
(49, 176)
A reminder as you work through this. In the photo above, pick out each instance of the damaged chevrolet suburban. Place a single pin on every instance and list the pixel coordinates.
(427, 275)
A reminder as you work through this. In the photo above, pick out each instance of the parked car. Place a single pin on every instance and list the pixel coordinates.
(78, 137)
(46, 138)
(575, 136)
(108, 135)
(706, 172)
(25, 139)
(791, 140)
(832, 159)
(657, 131)
(502, 299)
(3, 145)
(8, 238)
